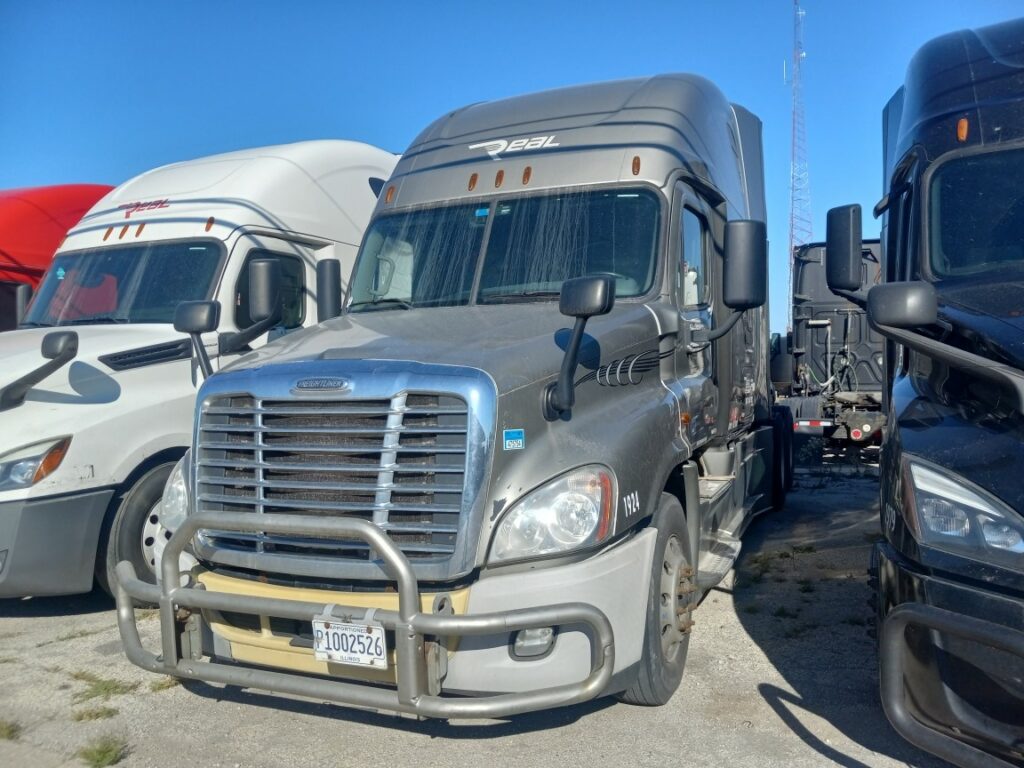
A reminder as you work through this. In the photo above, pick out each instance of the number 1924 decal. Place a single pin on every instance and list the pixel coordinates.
(631, 503)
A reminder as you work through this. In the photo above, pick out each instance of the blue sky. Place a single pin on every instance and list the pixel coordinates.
(101, 91)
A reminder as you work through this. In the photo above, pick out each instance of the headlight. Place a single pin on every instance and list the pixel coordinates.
(950, 514)
(26, 466)
(174, 503)
(173, 511)
(571, 512)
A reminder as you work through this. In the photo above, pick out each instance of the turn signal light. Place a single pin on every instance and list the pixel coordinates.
(52, 460)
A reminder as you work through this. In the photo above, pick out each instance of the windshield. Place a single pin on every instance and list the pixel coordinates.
(132, 284)
(976, 212)
(523, 249)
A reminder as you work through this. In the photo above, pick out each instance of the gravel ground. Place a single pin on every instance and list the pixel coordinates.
(781, 672)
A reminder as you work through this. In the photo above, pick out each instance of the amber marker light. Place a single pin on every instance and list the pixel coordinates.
(472, 182)
(389, 197)
(636, 165)
(499, 178)
(607, 509)
(52, 460)
(527, 173)
(124, 231)
(209, 224)
(108, 233)
(138, 229)
(961, 129)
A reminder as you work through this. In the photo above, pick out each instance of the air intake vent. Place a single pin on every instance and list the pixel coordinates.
(143, 356)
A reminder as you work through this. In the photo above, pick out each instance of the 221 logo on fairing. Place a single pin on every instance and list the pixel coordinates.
(496, 146)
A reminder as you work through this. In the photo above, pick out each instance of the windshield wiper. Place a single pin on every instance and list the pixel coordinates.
(35, 325)
(98, 320)
(511, 298)
(382, 303)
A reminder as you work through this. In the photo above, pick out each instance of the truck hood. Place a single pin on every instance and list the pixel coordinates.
(85, 376)
(989, 315)
(516, 344)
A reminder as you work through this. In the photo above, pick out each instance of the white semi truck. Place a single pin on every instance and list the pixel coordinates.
(97, 387)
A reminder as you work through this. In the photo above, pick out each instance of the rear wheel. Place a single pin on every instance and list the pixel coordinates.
(133, 528)
(782, 459)
(670, 602)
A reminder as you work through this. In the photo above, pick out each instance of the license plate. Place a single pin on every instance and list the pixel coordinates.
(362, 645)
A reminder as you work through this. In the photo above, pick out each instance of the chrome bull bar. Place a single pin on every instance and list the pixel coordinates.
(409, 624)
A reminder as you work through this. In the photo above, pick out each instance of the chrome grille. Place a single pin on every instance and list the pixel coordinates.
(397, 462)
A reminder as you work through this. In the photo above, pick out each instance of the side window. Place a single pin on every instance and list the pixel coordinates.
(691, 284)
(293, 289)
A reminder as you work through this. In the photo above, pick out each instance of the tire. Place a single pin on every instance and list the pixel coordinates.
(132, 527)
(670, 601)
(782, 455)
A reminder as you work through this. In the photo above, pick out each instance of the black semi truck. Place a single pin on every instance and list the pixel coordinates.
(829, 368)
(950, 570)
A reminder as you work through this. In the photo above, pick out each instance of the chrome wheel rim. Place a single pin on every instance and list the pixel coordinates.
(675, 593)
(151, 530)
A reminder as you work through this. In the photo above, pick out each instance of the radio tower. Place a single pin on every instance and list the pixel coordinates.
(800, 222)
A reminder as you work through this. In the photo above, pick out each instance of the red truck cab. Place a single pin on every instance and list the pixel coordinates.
(33, 222)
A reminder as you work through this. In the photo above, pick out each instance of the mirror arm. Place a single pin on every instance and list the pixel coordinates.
(200, 351)
(976, 365)
(857, 297)
(14, 393)
(234, 342)
(560, 396)
(707, 335)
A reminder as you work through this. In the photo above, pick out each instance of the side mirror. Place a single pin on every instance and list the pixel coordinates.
(22, 296)
(903, 305)
(584, 297)
(581, 298)
(59, 348)
(745, 284)
(264, 289)
(328, 289)
(196, 318)
(264, 305)
(843, 246)
(59, 344)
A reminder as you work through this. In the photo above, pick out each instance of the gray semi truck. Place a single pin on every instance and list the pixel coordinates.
(949, 574)
(503, 478)
(830, 367)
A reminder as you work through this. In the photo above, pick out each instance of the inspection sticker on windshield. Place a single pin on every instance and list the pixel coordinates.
(515, 439)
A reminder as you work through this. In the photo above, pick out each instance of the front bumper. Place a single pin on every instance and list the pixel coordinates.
(951, 658)
(48, 545)
(418, 685)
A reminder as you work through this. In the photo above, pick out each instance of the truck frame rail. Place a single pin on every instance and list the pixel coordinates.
(414, 677)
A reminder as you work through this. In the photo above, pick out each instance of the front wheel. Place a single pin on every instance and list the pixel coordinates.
(134, 526)
(670, 601)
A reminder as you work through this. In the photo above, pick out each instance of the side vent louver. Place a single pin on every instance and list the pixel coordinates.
(143, 356)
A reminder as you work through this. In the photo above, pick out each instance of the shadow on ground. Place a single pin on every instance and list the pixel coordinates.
(801, 593)
(434, 728)
(96, 601)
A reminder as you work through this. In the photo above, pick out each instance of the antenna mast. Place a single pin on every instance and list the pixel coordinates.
(800, 221)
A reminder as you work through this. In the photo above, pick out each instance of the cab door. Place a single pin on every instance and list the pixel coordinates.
(691, 289)
(298, 280)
